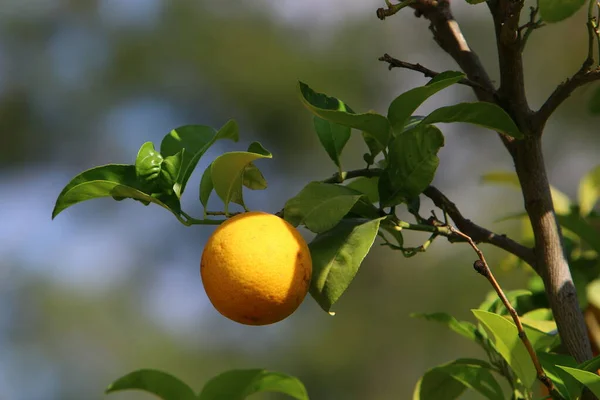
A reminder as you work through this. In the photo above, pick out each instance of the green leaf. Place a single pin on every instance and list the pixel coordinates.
(413, 161)
(336, 111)
(337, 255)
(157, 174)
(161, 384)
(558, 10)
(589, 191)
(476, 375)
(494, 304)
(112, 180)
(436, 384)
(582, 228)
(590, 365)
(463, 328)
(508, 344)
(206, 187)
(320, 206)
(196, 140)
(239, 384)
(403, 106)
(592, 381)
(540, 340)
(448, 381)
(565, 384)
(227, 173)
(486, 115)
(253, 178)
(475, 1)
(333, 137)
(366, 186)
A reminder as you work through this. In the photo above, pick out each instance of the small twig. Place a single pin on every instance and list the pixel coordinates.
(585, 74)
(395, 63)
(392, 9)
(222, 213)
(481, 266)
(341, 177)
(530, 26)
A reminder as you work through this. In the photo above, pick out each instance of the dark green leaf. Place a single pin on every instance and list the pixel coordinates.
(558, 10)
(158, 383)
(334, 110)
(413, 161)
(475, 1)
(476, 375)
(336, 256)
(113, 180)
(436, 384)
(320, 206)
(589, 191)
(333, 137)
(508, 344)
(227, 173)
(487, 115)
(592, 365)
(367, 186)
(374, 147)
(591, 380)
(239, 384)
(196, 140)
(463, 328)
(206, 187)
(566, 385)
(404, 105)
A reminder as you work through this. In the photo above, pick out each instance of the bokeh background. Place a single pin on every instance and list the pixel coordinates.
(110, 287)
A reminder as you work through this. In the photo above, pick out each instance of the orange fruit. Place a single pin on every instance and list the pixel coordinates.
(256, 268)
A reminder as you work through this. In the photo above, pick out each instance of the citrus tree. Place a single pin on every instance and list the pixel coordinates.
(257, 268)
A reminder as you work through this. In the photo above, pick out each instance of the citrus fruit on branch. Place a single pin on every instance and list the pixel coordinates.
(256, 268)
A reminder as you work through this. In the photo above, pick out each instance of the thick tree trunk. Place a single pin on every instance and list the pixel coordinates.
(550, 258)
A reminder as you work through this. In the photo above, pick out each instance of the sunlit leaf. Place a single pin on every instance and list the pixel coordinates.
(227, 174)
(196, 140)
(591, 380)
(240, 384)
(160, 384)
(507, 342)
(337, 255)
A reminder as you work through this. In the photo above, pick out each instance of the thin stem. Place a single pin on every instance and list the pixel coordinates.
(392, 9)
(395, 63)
(481, 266)
(189, 221)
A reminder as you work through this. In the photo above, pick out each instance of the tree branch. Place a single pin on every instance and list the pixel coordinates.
(482, 267)
(395, 63)
(562, 92)
(477, 233)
